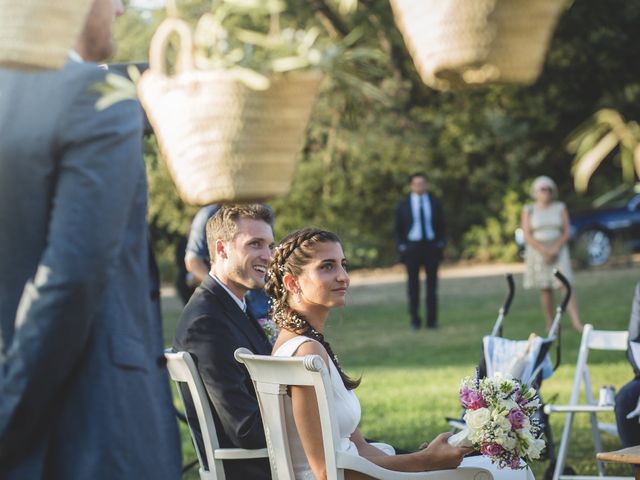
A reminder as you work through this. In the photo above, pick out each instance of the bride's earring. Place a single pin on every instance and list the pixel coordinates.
(299, 296)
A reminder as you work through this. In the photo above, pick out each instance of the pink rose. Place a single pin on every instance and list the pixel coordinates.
(515, 463)
(471, 399)
(491, 450)
(516, 417)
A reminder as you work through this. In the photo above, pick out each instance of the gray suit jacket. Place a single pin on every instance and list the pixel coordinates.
(83, 391)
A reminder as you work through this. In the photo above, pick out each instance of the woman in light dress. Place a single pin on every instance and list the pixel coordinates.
(545, 224)
(306, 279)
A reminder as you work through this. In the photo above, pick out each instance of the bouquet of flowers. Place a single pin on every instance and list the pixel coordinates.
(499, 418)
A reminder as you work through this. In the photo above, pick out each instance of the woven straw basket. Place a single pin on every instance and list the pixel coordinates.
(223, 141)
(39, 33)
(461, 43)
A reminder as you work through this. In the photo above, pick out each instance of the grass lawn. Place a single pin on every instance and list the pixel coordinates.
(411, 379)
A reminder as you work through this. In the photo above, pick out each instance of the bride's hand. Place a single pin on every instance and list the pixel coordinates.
(439, 455)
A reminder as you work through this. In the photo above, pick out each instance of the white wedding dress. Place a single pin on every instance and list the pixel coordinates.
(347, 411)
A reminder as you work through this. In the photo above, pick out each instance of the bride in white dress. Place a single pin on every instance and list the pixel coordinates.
(307, 277)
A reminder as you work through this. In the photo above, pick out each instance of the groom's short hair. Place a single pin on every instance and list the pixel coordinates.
(223, 225)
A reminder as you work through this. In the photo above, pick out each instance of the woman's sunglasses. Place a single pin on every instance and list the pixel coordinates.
(545, 189)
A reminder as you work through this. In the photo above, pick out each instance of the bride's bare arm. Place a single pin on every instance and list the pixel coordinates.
(438, 455)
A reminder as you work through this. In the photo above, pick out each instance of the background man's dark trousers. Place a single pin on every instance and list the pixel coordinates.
(422, 254)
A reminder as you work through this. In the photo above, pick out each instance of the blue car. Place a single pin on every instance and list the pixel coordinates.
(594, 232)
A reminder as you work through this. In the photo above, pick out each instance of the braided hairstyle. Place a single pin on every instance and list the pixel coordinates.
(294, 252)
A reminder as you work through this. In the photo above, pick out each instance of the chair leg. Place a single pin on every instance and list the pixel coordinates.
(597, 442)
(564, 444)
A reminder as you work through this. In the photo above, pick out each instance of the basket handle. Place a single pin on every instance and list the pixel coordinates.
(159, 41)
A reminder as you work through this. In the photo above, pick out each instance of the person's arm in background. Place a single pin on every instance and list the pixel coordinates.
(566, 233)
(399, 232)
(197, 267)
(634, 330)
(196, 259)
(525, 224)
(99, 168)
(439, 225)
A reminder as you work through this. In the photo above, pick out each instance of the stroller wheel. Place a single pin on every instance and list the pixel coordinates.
(548, 473)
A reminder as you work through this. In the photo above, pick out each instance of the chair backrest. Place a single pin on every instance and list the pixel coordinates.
(612, 340)
(184, 373)
(591, 340)
(271, 376)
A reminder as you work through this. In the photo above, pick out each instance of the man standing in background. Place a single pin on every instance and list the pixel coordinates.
(419, 235)
(84, 392)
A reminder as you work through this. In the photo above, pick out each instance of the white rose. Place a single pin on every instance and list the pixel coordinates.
(535, 448)
(507, 442)
(526, 435)
(534, 403)
(476, 419)
(502, 423)
(509, 404)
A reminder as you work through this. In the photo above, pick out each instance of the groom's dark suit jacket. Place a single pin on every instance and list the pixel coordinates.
(211, 328)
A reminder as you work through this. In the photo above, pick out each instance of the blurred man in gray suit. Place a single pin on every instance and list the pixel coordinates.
(83, 390)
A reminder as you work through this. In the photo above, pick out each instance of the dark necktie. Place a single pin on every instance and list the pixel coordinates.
(423, 220)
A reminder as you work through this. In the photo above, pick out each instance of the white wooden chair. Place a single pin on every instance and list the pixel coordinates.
(184, 372)
(272, 375)
(591, 340)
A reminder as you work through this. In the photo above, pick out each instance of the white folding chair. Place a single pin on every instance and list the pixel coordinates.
(591, 340)
(183, 371)
(272, 375)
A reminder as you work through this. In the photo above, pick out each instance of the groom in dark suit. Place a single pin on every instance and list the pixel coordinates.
(419, 234)
(83, 390)
(215, 323)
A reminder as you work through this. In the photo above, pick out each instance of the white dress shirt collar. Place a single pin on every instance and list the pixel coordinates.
(415, 232)
(240, 301)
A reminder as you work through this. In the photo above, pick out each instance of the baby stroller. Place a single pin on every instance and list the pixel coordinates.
(527, 360)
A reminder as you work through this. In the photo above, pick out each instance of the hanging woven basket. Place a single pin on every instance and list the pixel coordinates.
(222, 140)
(38, 34)
(463, 43)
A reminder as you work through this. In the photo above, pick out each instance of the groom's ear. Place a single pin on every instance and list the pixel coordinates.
(221, 249)
(290, 283)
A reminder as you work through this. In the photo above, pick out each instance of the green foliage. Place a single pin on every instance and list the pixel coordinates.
(494, 240)
(169, 217)
(597, 138)
(475, 146)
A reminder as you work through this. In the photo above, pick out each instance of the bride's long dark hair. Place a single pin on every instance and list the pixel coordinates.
(294, 252)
